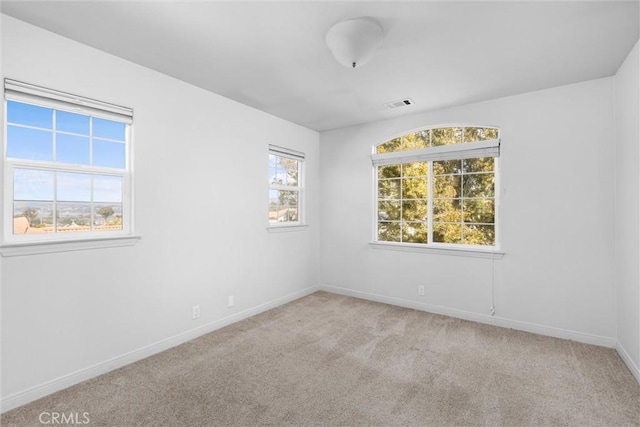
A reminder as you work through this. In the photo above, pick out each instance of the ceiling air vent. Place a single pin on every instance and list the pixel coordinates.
(398, 104)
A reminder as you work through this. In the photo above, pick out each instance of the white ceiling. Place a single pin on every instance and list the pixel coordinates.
(272, 55)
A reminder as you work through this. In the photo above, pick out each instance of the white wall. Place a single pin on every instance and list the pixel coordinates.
(556, 218)
(627, 233)
(201, 200)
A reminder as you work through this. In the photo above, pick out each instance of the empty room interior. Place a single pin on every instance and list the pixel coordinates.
(320, 213)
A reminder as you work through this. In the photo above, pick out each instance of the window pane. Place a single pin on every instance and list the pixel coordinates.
(29, 115)
(389, 189)
(390, 146)
(73, 217)
(108, 129)
(73, 187)
(443, 167)
(414, 141)
(283, 206)
(32, 144)
(485, 164)
(414, 210)
(274, 213)
(290, 167)
(479, 210)
(32, 184)
(414, 232)
(446, 136)
(388, 231)
(107, 189)
(447, 210)
(479, 134)
(72, 149)
(278, 175)
(107, 217)
(32, 217)
(389, 211)
(446, 186)
(108, 154)
(71, 122)
(447, 233)
(272, 167)
(283, 171)
(478, 185)
(414, 188)
(390, 171)
(475, 234)
(491, 134)
(414, 169)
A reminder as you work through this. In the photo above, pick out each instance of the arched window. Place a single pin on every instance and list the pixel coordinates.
(437, 186)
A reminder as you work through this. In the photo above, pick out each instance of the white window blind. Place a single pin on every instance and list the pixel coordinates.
(286, 152)
(25, 92)
(470, 150)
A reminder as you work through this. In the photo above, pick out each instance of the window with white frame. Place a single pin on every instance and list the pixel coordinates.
(437, 187)
(285, 186)
(67, 166)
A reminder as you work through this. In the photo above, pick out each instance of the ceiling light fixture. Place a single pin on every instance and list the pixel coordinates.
(354, 41)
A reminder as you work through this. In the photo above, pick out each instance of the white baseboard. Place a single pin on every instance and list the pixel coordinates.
(475, 317)
(628, 361)
(21, 398)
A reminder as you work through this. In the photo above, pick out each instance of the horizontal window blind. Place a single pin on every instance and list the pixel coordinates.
(286, 152)
(25, 92)
(469, 150)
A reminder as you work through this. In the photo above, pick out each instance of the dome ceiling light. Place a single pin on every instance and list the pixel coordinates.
(354, 41)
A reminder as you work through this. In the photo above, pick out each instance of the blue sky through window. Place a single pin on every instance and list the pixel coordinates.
(30, 115)
(72, 122)
(106, 139)
(31, 144)
(72, 149)
(78, 140)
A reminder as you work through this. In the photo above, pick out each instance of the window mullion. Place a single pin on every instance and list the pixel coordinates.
(92, 205)
(65, 168)
(401, 201)
(430, 202)
(91, 141)
(54, 214)
(54, 138)
(284, 188)
(462, 202)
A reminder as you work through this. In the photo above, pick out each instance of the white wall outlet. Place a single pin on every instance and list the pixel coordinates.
(421, 290)
(230, 301)
(195, 311)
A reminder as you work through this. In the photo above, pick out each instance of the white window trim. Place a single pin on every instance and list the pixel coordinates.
(14, 245)
(52, 246)
(488, 148)
(441, 249)
(300, 225)
(287, 228)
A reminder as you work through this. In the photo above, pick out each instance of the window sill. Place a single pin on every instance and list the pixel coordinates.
(34, 248)
(466, 252)
(286, 228)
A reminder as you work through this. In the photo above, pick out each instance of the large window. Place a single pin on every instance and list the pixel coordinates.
(285, 186)
(67, 171)
(438, 187)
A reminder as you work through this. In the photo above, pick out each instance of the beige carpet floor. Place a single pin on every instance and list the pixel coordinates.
(333, 360)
